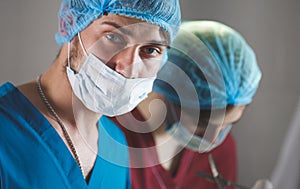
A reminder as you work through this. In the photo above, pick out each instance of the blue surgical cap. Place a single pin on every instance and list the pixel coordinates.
(216, 60)
(75, 15)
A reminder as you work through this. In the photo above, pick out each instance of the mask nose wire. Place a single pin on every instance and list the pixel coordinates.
(81, 44)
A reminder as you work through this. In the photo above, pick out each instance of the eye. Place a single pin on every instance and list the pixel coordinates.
(151, 51)
(114, 38)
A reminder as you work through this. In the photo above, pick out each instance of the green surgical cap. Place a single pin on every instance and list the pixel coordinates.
(75, 15)
(213, 61)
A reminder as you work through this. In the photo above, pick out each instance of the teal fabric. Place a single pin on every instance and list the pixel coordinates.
(75, 15)
(32, 155)
(217, 61)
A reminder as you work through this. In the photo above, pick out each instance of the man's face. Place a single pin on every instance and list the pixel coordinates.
(210, 123)
(129, 46)
(207, 124)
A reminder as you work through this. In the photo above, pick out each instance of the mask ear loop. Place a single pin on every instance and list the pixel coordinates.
(69, 65)
(81, 44)
(69, 61)
(69, 49)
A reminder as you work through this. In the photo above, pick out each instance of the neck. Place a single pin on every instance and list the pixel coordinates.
(79, 122)
(59, 93)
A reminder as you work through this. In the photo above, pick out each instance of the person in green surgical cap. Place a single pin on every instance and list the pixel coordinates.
(210, 78)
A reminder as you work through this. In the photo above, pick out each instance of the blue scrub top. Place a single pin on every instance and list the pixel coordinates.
(32, 154)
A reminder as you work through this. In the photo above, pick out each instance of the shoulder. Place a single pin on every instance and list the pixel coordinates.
(14, 107)
(109, 129)
(7, 99)
(6, 88)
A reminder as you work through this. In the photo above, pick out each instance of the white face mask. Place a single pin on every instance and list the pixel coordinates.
(105, 91)
(194, 142)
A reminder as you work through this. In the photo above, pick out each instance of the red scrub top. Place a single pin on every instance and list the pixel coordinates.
(157, 177)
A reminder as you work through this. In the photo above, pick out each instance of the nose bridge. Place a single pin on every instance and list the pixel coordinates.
(127, 61)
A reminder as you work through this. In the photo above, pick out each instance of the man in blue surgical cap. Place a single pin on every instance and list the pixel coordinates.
(209, 79)
(54, 132)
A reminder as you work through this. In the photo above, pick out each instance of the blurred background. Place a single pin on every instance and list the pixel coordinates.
(271, 27)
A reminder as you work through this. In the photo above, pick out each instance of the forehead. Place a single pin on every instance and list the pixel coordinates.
(219, 116)
(120, 19)
(137, 29)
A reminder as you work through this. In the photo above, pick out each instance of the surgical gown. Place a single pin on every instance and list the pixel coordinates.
(32, 155)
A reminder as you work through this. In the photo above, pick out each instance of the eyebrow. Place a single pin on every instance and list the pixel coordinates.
(117, 26)
(158, 43)
(128, 32)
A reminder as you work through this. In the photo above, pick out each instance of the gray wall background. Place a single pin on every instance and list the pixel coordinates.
(271, 27)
